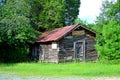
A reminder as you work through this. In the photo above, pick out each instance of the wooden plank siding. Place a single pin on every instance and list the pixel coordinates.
(65, 49)
(66, 46)
(91, 53)
(50, 55)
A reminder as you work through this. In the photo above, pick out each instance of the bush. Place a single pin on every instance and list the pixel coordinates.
(10, 54)
(108, 43)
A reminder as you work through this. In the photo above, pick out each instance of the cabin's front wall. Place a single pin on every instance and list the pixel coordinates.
(67, 47)
(91, 53)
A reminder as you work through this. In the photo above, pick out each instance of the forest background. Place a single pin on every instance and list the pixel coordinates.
(21, 21)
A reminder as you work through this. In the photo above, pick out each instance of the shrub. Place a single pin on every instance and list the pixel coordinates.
(108, 43)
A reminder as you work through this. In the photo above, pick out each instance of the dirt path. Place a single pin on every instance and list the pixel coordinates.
(10, 77)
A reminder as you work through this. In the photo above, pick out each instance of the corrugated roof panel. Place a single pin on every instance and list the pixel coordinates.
(55, 34)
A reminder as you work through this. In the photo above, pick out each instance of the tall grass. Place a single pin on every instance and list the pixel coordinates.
(63, 69)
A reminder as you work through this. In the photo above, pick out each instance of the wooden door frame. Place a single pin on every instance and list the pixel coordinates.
(83, 41)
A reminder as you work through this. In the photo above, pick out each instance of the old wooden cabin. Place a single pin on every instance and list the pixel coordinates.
(65, 44)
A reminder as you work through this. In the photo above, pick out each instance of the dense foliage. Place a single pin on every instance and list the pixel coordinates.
(22, 20)
(50, 14)
(108, 29)
(47, 14)
(14, 23)
(109, 41)
(15, 30)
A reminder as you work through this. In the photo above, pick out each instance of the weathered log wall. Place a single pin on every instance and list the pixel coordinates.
(91, 53)
(66, 46)
(49, 54)
(67, 51)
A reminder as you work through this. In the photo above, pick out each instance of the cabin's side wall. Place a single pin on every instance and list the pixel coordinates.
(34, 52)
(49, 54)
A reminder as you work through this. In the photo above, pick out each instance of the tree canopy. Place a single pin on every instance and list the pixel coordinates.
(108, 28)
(22, 20)
(50, 14)
(15, 23)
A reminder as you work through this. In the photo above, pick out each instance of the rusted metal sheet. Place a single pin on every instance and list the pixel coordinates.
(58, 33)
(55, 34)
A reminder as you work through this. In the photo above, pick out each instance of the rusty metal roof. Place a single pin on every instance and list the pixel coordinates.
(55, 34)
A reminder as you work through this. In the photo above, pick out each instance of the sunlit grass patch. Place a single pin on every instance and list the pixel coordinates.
(62, 69)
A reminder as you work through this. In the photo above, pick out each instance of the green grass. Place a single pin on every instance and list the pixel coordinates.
(62, 69)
